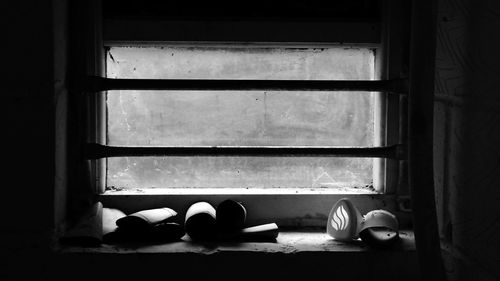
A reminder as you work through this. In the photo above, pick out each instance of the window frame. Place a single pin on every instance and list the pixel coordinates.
(288, 208)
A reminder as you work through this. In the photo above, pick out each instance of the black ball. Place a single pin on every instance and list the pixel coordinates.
(231, 215)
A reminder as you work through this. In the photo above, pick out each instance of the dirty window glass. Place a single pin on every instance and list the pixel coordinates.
(239, 118)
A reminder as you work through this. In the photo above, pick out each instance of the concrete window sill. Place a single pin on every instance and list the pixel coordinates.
(287, 243)
(294, 256)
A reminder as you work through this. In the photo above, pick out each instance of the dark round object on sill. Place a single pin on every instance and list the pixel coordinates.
(200, 223)
(231, 215)
(379, 237)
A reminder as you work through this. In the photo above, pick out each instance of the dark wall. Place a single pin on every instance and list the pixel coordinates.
(28, 102)
(29, 106)
(467, 135)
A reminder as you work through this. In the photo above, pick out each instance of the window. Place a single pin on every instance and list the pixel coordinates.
(240, 118)
(287, 124)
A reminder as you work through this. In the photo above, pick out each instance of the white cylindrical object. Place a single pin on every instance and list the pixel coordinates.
(200, 222)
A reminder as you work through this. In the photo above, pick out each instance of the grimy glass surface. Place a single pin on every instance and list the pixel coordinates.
(239, 118)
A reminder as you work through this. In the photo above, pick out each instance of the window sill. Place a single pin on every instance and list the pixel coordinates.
(287, 243)
(294, 256)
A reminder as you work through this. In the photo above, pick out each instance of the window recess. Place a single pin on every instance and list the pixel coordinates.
(294, 204)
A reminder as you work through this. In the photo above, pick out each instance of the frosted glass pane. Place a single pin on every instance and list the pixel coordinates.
(243, 118)
(240, 63)
(239, 172)
(247, 118)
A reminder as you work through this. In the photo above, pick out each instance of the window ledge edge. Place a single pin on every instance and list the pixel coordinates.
(288, 242)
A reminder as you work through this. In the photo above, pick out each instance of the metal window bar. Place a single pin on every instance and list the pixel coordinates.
(95, 84)
(97, 151)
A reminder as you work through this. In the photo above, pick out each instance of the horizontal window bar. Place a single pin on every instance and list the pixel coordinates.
(96, 151)
(95, 84)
